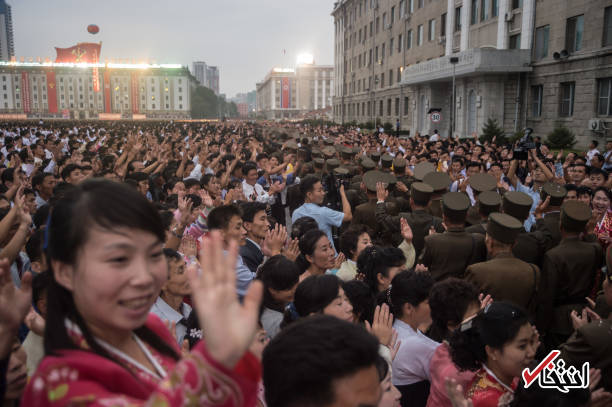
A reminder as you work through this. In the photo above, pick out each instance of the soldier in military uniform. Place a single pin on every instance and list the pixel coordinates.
(448, 254)
(549, 221)
(592, 341)
(385, 163)
(419, 219)
(479, 183)
(493, 276)
(568, 274)
(488, 202)
(440, 182)
(365, 213)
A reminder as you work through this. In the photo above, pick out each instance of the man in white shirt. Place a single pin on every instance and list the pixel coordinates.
(255, 192)
(169, 305)
(592, 151)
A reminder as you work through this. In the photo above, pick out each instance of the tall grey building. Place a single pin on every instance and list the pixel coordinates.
(521, 62)
(207, 75)
(7, 47)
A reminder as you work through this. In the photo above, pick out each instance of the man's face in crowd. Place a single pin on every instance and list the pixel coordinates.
(194, 189)
(596, 162)
(258, 228)
(39, 151)
(30, 203)
(596, 180)
(571, 196)
(178, 189)
(586, 198)
(456, 166)
(251, 177)
(143, 186)
(496, 171)
(472, 171)
(178, 283)
(505, 167)
(46, 188)
(75, 177)
(609, 145)
(262, 163)
(235, 231)
(538, 175)
(317, 195)
(361, 389)
(578, 174)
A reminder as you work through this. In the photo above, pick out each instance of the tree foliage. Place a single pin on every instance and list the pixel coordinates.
(206, 105)
(492, 129)
(561, 137)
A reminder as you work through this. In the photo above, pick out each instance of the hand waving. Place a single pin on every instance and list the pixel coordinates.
(230, 326)
(14, 305)
(406, 230)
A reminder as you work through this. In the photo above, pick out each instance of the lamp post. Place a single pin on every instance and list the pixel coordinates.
(453, 61)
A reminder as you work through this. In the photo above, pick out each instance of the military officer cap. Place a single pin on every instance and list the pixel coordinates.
(316, 152)
(482, 182)
(347, 152)
(329, 142)
(341, 171)
(356, 178)
(368, 164)
(375, 156)
(291, 145)
(338, 147)
(399, 163)
(390, 178)
(439, 181)
(503, 227)
(421, 192)
(517, 204)
(370, 179)
(332, 163)
(489, 201)
(329, 151)
(556, 192)
(574, 216)
(455, 203)
(386, 160)
(356, 150)
(319, 162)
(422, 169)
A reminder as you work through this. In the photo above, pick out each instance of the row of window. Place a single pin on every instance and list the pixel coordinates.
(365, 109)
(566, 98)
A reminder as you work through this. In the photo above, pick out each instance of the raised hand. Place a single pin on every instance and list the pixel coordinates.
(406, 230)
(394, 345)
(274, 240)
(206, 199)
(184, 206)
(485, 300)
(541, 208)
(381, 191)
(230, 326)
(340, 258)
(455, 394)
(382, 325)
(14, 305)
(292, 251)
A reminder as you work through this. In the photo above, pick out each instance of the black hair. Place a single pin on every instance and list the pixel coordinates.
(303, 225)
(349, 239)
(409, 287)
(280, 274)
(39, 178)
(494, 326)
(205, 179)
(250, 209)
(605, 190)
(68, 170)
(595, 143)
(307, 184)
(219, 218)
(571, 187)
(360, 297)
(341, 350)
(374, 260)
(171, 254)
(195, 200)
(108, 205)
(598, 171)
(248, 166)
(34, 246)
(191, 182)
(8, 175)
(584, 190)
(40, 285)
(448, 301)
(313, 294)
(307, 245)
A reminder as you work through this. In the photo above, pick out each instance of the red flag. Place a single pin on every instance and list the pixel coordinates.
(285, 93)
(25, 85)
(107, 92)
(51, 92)
(88, 52)
(135, 100)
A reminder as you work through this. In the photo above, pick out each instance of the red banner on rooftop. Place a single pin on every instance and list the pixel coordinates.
(84, 52)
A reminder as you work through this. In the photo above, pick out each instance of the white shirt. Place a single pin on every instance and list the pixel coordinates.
(590, 154)
(167, 313)
(260, 194)
(411, 365)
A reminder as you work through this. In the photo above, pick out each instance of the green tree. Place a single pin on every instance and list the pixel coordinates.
(561, 137)
(204, 103)
(492, 129)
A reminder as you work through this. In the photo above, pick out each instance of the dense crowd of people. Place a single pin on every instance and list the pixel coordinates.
(270, 264)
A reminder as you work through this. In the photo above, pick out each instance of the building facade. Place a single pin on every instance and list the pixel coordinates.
(7, 47)
(398, 60)
(64, 90)
(288, 93)
(207, 75)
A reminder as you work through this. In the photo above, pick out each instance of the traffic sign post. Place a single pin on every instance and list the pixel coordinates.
(435, 117)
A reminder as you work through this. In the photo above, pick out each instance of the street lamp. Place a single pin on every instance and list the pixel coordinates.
(453, 61)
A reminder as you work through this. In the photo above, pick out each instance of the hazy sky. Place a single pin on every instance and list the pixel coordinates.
(245, 38)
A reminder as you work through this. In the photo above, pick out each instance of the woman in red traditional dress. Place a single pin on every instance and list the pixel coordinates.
(103, 347)
(498, 343)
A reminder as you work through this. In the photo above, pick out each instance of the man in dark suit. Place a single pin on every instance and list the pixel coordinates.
(255, 221)
(505, 277)
(448, 254)
(419, 219)
(568, 274)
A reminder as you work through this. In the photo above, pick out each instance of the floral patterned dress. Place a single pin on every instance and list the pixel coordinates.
(604, 228)
(486, 390)
(83, 378)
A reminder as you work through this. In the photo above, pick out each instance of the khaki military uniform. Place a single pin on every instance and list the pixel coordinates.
(549, 224)
(448, 254)
(568, 275)
(507, 278)
(477, 228)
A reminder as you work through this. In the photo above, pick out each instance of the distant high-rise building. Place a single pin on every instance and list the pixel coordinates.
(7, 47)
(208, 76)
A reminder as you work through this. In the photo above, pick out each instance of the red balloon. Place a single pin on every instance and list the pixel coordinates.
(93, 29)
